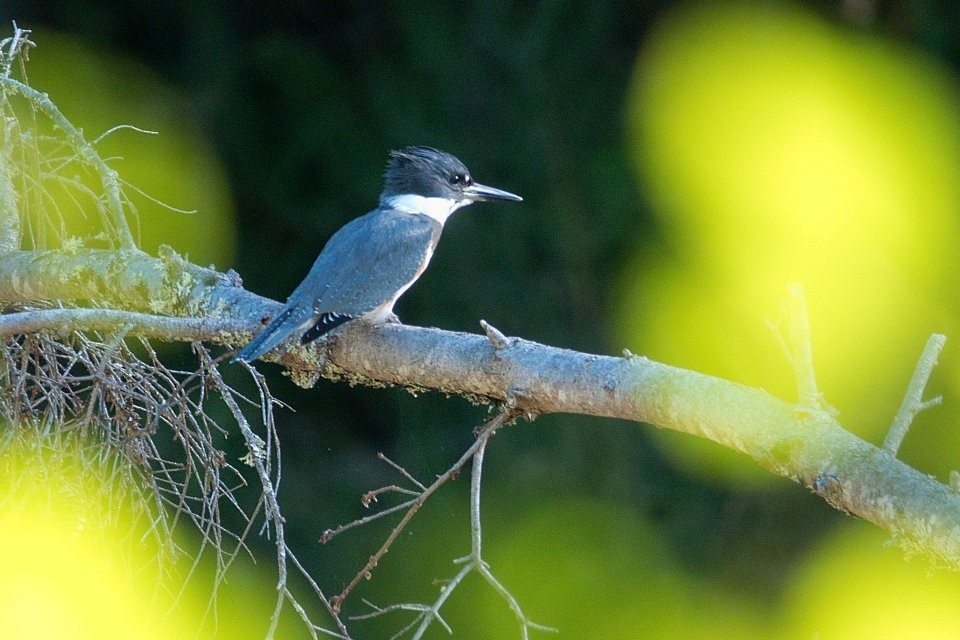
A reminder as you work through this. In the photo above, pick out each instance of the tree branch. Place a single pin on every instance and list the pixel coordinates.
(799, 442)
(805, 445)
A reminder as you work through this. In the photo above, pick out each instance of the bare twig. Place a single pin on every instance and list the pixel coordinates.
(16, 46)
(121, 127)
(913, 402)
(260, 458)
(330, 534)
(426, 615)
(401, 471)
(412, 507)
(475, 561)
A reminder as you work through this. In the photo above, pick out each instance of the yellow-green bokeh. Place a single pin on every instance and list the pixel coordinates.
(857, 587)
(85, 554)
(98, 90)
(778, 148)
(80, 555)
(597, 572)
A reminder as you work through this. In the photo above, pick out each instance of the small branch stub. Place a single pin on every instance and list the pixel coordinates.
(797, 344)
(496, 338)
(955, 481)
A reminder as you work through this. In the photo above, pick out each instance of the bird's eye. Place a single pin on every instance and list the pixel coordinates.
(460, 178)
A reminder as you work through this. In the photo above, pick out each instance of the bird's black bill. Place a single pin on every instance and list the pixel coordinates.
(482, 192)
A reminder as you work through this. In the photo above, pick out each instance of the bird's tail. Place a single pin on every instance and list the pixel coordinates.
(282, 327)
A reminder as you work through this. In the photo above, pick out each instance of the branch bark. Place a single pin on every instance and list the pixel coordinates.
(803, 443)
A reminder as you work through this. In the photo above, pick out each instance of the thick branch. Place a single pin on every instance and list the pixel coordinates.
(801, 443)
(807, 446)
(128, 280)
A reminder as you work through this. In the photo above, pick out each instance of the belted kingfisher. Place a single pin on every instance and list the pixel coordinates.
(368, 264)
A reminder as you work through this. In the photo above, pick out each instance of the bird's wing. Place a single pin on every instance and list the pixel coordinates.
(362, 266)
(366, 262)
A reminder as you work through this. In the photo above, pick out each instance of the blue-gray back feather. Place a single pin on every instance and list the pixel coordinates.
(362, 266)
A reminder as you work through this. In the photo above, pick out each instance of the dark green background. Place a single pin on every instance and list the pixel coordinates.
(302, 101)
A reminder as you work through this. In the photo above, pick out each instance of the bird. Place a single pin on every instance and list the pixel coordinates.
(372, 260)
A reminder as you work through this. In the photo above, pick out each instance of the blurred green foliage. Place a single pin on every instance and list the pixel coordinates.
(780, 148)
(301, 102)
(174, 169)
(81, 555)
